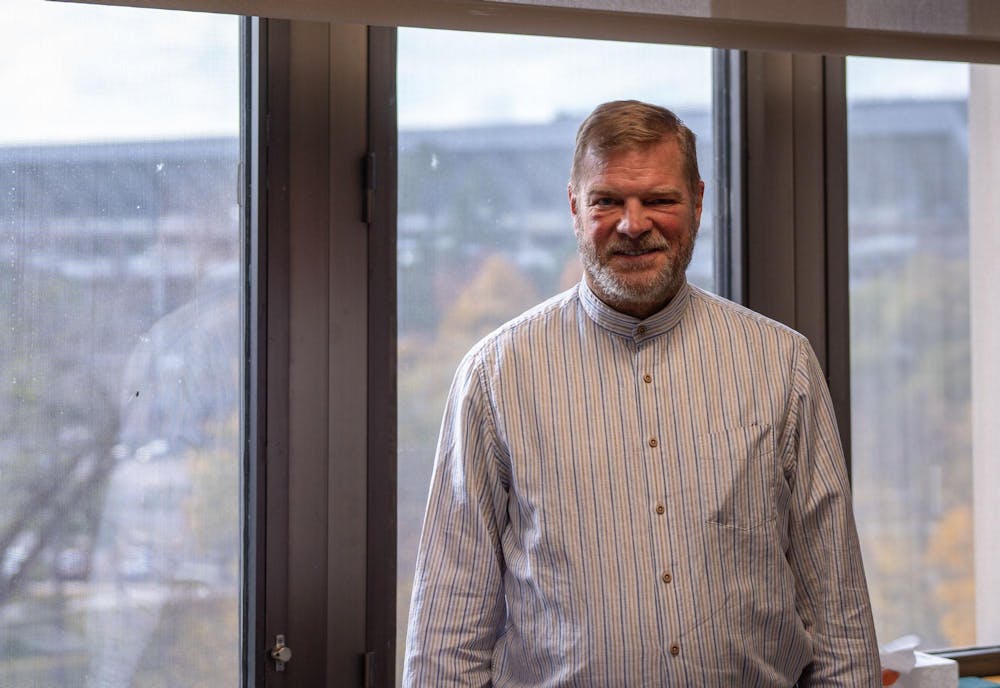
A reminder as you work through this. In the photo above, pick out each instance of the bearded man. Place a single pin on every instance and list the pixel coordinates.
(638, 483)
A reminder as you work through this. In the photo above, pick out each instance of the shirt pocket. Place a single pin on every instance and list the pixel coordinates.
(736, 476)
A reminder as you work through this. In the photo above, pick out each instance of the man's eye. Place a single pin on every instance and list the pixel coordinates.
(662, 201)
(604, 202)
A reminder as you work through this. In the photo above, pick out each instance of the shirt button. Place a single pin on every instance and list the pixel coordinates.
(640, 330)
(660, 509)
(653, 442)
(666, 577)
(647, 378)
(675, 649)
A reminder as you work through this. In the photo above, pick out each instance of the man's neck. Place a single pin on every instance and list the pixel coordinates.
(639, 309)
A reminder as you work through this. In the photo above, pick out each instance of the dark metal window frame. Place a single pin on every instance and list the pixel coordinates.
(382, 492)
(796, 206)
(253, 43)
(325, 433)
(728, 136)
(309, 378)
(319, 416)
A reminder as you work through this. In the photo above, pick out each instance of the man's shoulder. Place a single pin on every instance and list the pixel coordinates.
(538, 322)
(553, 311)
(732, 314)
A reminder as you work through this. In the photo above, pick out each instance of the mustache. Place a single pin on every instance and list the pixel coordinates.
(646, 242)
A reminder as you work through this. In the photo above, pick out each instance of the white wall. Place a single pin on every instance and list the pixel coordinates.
(984, 271)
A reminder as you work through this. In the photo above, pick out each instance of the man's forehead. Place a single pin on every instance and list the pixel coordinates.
(599, 155)
(597, 160)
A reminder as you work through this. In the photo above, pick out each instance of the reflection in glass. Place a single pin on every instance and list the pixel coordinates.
(120, 355)
(484, 230)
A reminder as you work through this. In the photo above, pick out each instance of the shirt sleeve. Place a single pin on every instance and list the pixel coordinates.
(824, 552)
(457, 609)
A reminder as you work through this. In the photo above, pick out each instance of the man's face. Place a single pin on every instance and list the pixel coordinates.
(635, 219)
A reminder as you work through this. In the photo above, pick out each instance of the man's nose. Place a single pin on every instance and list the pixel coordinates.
(634, 220)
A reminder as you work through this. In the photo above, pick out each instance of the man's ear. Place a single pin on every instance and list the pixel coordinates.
(572, 199)
(699, 198)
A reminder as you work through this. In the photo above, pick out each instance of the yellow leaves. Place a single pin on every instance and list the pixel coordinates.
(497, 293)
(950, 553)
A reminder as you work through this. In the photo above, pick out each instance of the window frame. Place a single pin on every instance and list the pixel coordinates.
(309, 398)
(253, 47)
(796, 197)
(320, 462)
(381, 193)
(795, 269)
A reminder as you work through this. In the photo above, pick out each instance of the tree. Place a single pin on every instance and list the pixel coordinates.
(947, 554)
(910, 385)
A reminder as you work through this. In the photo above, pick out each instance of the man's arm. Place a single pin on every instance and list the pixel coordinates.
(457, 609)
(831, 594)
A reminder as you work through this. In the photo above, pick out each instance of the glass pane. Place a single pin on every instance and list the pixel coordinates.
(913, 360)
(485, 147)
(119, 348)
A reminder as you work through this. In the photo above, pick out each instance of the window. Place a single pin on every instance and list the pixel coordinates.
(922, 263)
(100, 250)
(484, 230)
(121, 348)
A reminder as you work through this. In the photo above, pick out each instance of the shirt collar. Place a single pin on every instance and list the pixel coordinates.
(629, 326)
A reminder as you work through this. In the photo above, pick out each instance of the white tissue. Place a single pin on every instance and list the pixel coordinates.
(898, 654)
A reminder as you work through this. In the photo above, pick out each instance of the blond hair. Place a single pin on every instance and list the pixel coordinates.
(627, 124)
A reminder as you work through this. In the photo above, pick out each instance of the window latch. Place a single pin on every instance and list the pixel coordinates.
(280, 653)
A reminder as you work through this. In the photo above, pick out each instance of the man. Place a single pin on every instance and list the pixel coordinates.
(638, 483)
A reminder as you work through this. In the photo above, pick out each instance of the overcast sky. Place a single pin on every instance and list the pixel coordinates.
(77, 72)
(84, 73)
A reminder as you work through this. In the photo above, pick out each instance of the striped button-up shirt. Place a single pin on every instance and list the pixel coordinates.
(624, 502)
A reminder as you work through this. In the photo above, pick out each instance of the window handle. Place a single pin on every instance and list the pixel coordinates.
(280, 653)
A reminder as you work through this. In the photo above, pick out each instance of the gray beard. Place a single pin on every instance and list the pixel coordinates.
(624, 295)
